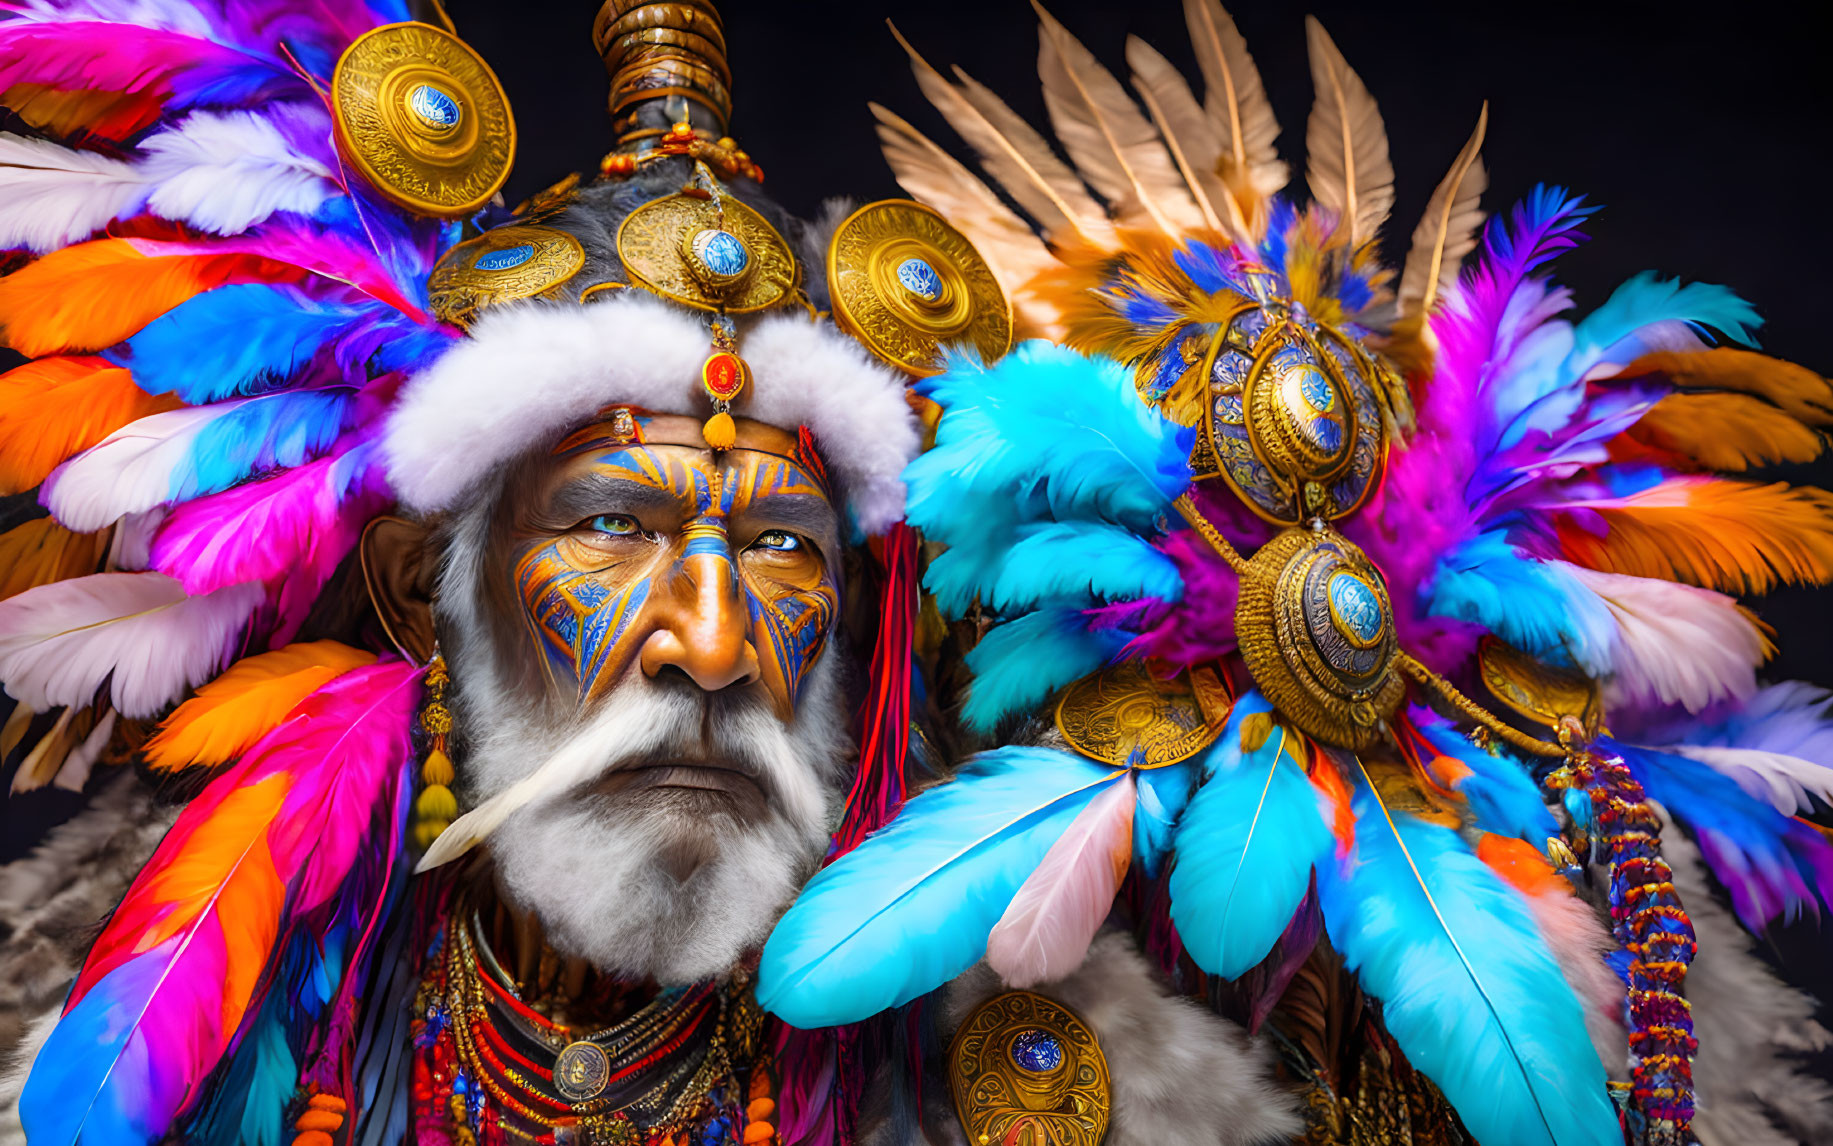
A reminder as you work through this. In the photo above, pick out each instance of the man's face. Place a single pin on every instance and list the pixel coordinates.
(666, 611)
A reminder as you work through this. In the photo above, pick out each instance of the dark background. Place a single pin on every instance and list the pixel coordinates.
(1703, 129)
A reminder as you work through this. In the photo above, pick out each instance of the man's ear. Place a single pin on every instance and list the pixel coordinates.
(398, 569)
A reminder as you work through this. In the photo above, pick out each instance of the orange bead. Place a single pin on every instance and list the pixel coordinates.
(325, 1120)
(312, 1138)
(326, 1102)
(759, 1110)
(759, 1132)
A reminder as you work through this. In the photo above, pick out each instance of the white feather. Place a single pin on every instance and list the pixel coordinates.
(131, 548)
(136, 631)
(1776, 778)
(129, 471)
(51, 196)
(1676, 644)
(223, 172)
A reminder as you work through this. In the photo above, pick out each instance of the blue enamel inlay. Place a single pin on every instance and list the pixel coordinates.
(1357, 607)
(1036, 1051)
(433, 107)
(506, 259)
(920, 279)
(1318, 393)
(1327, 433)
(723, 252)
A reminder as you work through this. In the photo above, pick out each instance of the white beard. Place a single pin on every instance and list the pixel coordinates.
(657, 888)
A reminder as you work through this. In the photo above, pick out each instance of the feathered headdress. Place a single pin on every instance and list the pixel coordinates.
(1244, 532)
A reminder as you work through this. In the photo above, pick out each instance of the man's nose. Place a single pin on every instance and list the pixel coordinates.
(702, 626)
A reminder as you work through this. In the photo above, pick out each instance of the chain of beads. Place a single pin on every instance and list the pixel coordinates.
(1647, 918)
(436, 807)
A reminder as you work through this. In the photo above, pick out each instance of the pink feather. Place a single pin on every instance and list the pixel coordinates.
(1676, 644)
(95, 55)
(322, 252)
(1045, 933)
(137, 631)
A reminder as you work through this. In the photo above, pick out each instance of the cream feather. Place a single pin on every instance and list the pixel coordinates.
(1346, 160)
(51, 196)
(47, 756)
(1676, 644)
(1009, 246)
(1015, 155)
(1189, 135)
(74, 775)
(1236, 102)
(1776, 778)
(223, 172)
(1448, 231)
(1114, 147)
(137, 632)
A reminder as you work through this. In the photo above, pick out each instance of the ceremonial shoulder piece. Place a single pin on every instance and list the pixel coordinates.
(1028, 1071)
(276, 307)
(1350, 492)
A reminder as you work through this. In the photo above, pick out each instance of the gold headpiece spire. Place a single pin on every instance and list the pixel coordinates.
(667, 63)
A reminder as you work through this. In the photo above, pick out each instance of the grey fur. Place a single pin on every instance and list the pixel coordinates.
(1179, 1073)
(52, 904)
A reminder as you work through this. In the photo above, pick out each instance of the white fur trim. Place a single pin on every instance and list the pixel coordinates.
(528, 374)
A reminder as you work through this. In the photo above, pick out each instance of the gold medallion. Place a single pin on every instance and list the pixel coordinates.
(1026, 1071)
(581, 1071)
(1316, 629)
(1110, 715)
(423, 118)
(508, 263)
(1539, 691)
(905, 284)
(710, 255)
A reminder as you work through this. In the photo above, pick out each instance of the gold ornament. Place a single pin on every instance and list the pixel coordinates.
(1539, 691)
(905, 283)
(1110, 715)
(423, 118)
(1294, 424)
(708, 253)
(1316, 629)
(508, 263)
(1027, 1071)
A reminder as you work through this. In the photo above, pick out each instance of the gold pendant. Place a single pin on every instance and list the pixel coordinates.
(1027, 1071)
(710, 254)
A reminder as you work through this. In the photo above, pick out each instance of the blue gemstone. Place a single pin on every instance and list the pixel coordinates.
(1318, 393)
(1357, 607)
(722, 252)
(505, 259)
(1036, 1051)
(920, 279)
(433, 107)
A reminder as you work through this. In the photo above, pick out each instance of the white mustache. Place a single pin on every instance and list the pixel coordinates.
(639, 721)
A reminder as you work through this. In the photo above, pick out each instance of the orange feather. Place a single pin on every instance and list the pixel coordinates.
(1805, 395)
(1724, 431)
(110, 115)
(56, 407)
(232, 712)
(1521, 864)
(42, 551)
(1329, 783)
(93, 295)
(1734, 536)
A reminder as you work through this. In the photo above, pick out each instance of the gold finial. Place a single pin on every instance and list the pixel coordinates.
(667, 63)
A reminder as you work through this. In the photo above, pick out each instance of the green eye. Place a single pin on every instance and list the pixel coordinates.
(614, 524)
(778, 540)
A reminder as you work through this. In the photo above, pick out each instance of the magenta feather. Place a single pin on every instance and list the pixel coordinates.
(183, 70)
(1046, 929)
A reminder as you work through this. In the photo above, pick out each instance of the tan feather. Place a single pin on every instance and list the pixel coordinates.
(1189, 135)
(1725, 431)
(1236, 102)
(1015, 155)
(1805, 395)
(1448, 231)
(931, 175)
(1346, 160)
(46, 758)
(13, 731)
(1114, 147)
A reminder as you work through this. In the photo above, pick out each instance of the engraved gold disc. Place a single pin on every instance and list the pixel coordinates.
(905, 283)
(423, 118)
(501, 265)
(1028, 1071)
(1111, 714)
(707, 255)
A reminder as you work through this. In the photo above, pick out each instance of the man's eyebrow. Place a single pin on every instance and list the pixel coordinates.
(803, 512)
(597, 492)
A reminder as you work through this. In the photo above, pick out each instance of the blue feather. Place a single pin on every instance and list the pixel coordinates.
(911, 907)
(1536, 606)
(279, 430)
(1503, 798)
(1065, 563)
(252, 338)
(1163, 795)
(1021, 662)
(1245, 848)
(1467, 987)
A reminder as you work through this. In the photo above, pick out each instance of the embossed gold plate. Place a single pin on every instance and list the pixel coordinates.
(664, 245)
(423, 118)
(1028, 1071)
(905, 283)
(1538, 691)
(501, 265)
(1108, 715)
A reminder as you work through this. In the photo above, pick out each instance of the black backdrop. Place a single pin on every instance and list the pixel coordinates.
(1702, 129)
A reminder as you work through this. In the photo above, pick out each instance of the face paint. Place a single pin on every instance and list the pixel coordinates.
(724, 553)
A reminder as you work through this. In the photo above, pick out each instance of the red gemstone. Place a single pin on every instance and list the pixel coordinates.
(723, 375)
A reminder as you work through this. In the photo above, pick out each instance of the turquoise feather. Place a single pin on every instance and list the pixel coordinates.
(1021, 662)
(911, 907)
(1467, 987)
(1244, 849)
(1063, 563)
(1536, 606)
(1163, 795)
(1503, 797)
